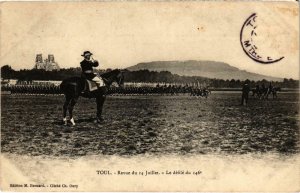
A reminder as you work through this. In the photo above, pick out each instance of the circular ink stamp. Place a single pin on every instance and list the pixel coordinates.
(255, 44)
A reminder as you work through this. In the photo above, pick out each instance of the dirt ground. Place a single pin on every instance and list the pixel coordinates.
(160, 125)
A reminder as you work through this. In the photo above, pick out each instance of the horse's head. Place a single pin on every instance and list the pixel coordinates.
(114, 76)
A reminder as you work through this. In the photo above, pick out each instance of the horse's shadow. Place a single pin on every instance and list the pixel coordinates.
(85, 120)
(82, 120)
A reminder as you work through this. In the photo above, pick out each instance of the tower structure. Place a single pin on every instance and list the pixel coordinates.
(48, 64)
(39, 64)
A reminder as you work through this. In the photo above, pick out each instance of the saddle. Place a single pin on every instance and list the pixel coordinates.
(90, 86)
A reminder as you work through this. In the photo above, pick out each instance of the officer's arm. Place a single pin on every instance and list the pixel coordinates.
(95, 63)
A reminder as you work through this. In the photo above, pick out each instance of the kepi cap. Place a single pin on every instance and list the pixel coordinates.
(86, 53)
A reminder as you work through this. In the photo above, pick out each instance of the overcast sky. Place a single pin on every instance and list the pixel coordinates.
(124, 34)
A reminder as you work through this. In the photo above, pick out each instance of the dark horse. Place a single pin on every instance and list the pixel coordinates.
(263, 93)
(74, 87)
(274, 91)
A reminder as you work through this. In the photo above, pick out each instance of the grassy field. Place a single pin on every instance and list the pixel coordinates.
(160, 125)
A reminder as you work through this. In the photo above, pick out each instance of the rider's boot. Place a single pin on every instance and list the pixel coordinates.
(98, 84)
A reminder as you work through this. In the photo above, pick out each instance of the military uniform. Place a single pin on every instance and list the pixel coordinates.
(245, 93)
(87, 69)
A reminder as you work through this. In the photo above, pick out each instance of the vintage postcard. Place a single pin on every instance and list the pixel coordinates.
(198, 96)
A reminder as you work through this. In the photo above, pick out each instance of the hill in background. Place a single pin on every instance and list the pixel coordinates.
(209, 69)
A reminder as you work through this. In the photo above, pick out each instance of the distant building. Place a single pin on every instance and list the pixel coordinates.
(48, 64)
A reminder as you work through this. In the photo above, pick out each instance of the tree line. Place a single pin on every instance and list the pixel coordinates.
(139, 76)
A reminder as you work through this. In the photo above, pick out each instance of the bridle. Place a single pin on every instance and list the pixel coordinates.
(118, 78)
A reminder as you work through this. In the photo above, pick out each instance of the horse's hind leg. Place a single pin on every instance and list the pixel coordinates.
(65, 108)
(70, 108)
(100, 101)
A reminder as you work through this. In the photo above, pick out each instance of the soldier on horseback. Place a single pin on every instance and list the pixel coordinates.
(87, 68)
(74, 87)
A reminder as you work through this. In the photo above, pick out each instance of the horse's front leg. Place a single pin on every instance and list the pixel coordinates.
(100, 101)
(65, 108)
(70, 108)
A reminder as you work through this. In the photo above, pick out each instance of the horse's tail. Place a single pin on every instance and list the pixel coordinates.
(62, 86)
(71, 86)
(65, 87)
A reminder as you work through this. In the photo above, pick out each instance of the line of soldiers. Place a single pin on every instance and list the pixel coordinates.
(161, 90)
(143, 90)
(31, 89)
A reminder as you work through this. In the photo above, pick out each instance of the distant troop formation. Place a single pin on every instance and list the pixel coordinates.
(263, 92)
(31, 89)
(74, 87)
(131, 90)
(260, 92)
(160, 90)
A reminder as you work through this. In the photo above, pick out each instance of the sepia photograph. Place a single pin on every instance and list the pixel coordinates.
(159, 96)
